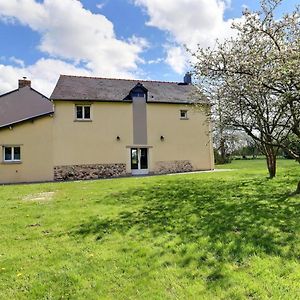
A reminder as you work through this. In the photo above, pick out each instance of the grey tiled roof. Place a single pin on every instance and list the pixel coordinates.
(75, 88)
(23, 104)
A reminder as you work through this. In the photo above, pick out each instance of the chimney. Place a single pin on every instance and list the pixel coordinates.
(24, 82)
(187, 78)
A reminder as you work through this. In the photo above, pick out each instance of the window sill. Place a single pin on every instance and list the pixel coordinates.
(83, 120)
(184, 118)
(11, 162)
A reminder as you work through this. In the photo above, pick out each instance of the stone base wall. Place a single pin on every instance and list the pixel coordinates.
(174, 166)
(81, 172)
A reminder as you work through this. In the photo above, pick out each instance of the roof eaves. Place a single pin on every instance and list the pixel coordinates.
(27, 119)
(92, 100)
(171, 102)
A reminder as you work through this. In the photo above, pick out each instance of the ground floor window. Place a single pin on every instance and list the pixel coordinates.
(12, 153)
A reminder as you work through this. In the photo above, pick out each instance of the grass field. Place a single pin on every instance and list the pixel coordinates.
(224, 235)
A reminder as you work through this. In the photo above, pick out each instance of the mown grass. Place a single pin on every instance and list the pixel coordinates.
(225, 235)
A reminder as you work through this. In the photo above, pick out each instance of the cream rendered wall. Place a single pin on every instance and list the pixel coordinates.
(184, 139)
(92, 142)
(35, 138)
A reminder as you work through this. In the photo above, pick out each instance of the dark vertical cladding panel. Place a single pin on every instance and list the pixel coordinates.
(139, 120)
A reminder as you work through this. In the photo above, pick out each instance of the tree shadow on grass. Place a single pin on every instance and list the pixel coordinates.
(230, 221)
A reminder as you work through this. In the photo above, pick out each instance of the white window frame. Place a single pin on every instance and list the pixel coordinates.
(185, 111)
(12, 154)
(83, 112)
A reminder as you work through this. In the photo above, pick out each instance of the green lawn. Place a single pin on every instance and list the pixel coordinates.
(223, 235)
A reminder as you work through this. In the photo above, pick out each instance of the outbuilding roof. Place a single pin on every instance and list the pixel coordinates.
(23, 104)
(76, 88)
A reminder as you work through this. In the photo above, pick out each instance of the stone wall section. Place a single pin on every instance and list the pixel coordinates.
(174, 166)
(94, 171)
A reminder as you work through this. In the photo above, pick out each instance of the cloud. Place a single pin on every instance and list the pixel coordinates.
(155, 61)
(72, 35)
(188, 22)
(101, 5)
(17, 61)
(43, 74)
(176, 58)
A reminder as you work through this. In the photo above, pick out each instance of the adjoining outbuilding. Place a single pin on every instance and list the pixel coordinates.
(26, 127)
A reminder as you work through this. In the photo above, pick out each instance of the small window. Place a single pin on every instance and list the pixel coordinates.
(138, 94)
(183, 114)
(83, 112)
(12, 154)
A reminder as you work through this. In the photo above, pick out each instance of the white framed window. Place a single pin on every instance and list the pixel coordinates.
(183, 114)
(83, 112)
(11, 153)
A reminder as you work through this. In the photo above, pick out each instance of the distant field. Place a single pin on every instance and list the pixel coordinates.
(224, 235)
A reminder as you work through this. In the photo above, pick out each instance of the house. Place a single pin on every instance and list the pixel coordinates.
(101, 128)
(26, 127)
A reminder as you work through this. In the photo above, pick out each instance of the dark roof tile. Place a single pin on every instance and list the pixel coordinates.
(23, 104)
(75, 88)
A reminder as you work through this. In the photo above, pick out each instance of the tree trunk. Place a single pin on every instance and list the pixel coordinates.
(271, 161)
(223, 151)
(298, 188)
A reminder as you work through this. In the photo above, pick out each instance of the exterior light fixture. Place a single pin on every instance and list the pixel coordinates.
(118, 138)
(162, 138)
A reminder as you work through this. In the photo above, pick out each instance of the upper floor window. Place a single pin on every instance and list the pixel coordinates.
(138, 94)
(83, 112)
(12, 153)
(184, 114)
(139, 91)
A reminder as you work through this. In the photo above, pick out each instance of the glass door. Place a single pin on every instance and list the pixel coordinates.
(139, 161)
(134, 159)
(143, 158)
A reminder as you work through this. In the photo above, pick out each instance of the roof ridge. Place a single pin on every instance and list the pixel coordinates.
(18, 89)
(127, 79)
(7, 93)
(40, 93)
